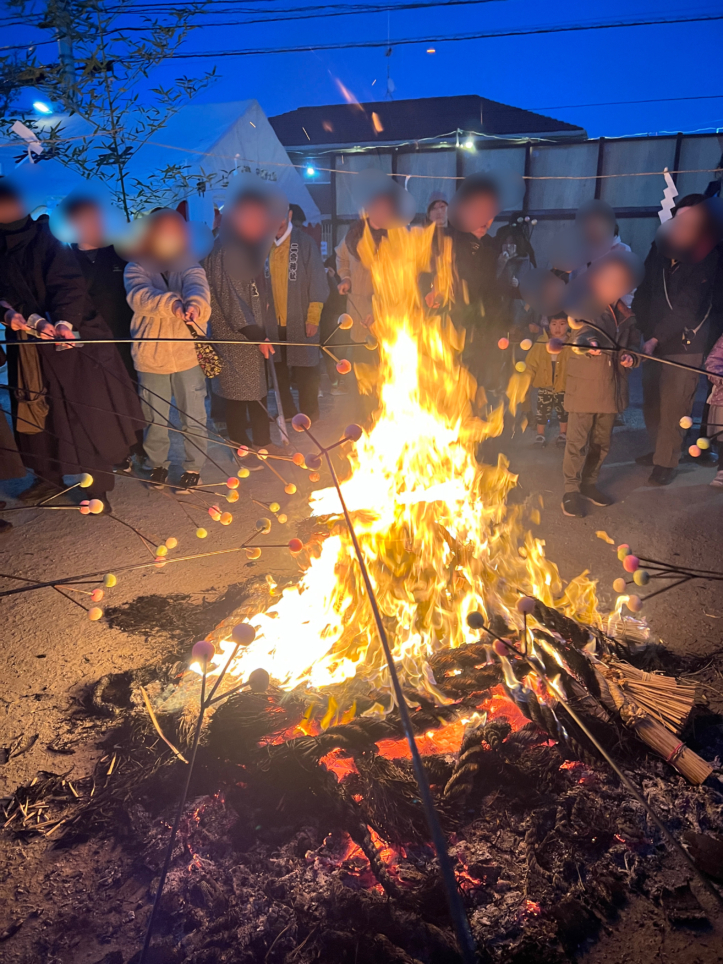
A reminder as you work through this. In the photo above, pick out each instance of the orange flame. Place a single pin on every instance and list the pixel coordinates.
(435, 529)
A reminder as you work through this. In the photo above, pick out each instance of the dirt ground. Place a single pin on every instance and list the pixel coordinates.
(53, 653)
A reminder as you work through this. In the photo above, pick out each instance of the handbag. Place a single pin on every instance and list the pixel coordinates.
(209, 361)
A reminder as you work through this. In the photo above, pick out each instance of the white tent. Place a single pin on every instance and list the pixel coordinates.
(211, 138)
(223, 139)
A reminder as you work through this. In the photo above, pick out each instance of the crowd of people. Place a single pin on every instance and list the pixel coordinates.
(263, 296)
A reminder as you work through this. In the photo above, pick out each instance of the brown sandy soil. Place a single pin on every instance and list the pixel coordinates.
(84, 904)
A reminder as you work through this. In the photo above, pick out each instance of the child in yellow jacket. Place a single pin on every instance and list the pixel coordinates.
(549, 374)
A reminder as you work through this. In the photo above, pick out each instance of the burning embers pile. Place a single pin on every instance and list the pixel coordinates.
(306, 839)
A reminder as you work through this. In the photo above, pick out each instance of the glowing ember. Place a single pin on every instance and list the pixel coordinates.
(437, 534)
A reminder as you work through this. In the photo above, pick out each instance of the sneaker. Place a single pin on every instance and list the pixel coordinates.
(39, 490)
(646, 459)
(159, 475)
(661, 475)
(540, 440)
(572, 505)
(594, 495)
(718, 480)
(189, 480)
(561, 439)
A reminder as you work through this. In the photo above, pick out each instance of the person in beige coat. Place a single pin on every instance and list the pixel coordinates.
(170, 298)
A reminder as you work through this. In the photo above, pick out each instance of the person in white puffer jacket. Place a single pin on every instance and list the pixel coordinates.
(168, 292)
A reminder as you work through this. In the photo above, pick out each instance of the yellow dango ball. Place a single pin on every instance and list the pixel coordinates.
(686, 422)
(162, 551)
(232, 497)
(526, 344)
(243, 473)
(171, 542)
(520, 366)
(226, 519)
(253, 552)
(282, 517)
(703, 443)
(86, 481)
(290, 488)
(274, 507)
(201, 533)
(95, 613)
(109, 580)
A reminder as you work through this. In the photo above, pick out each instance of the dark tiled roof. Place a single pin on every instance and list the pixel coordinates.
(409, 120)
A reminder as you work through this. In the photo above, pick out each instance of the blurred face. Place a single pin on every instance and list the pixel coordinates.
(597, 230)
(558, 327)
(381, 212)
(167, 237)
(250, 220)
(610, 281)
(477, 213)
(87, 222)
(438, 213)
(11, 209)
(688, 226)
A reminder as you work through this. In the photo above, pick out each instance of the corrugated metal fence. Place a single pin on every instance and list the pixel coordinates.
(545, 181)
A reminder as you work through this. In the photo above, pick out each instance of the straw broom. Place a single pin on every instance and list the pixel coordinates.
(655, 707)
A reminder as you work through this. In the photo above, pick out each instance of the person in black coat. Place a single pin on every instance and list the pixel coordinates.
(679, 307)
(477, 299)
(90, 413)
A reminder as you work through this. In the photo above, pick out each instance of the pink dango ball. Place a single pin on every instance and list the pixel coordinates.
(242, 451)
(499, 647)
(314, 476)
(171, 542)
(353, 432)
(619, 585)
(214, 512)
(97, 595)
(290, 489)
(345, 322)
(526, 605)
(313, 462)
(233, 497)
(259, 681)
(95, 614)
(555, 346)
(243, 634)
(631, 563)
(298, 458)
(295, 546)
(301, 422)
(253, 552)
(503, 343)
(634, 604)
(343, 366)
(526, 344)
(232, 483)
(686, 422)
(203, 651)
(694, 451)
(84, 507)
(226, 519)
(95, 506)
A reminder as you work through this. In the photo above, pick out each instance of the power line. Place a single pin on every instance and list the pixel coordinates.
(616, 103)
(331, 10)
(488, 35)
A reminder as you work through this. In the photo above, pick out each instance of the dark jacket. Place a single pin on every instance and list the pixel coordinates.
(476, 288)
(599, 383)
(676, 299)
(94, 407)
(103, 272)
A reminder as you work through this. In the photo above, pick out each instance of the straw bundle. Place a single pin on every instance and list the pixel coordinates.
(655, 707)
(662, 697)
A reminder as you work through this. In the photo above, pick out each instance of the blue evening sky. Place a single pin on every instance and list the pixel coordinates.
(545, 72)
